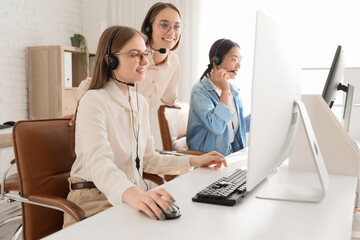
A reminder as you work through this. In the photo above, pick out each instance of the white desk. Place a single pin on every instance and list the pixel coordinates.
(252, 218)
(5, 137)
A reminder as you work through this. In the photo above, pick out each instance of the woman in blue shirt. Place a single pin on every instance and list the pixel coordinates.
(216, 121)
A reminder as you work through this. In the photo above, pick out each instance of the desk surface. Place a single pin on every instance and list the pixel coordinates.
(252, 218)
(5, 137)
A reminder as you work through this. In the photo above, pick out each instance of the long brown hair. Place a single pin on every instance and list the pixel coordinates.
(220, 47)
(100, 75)
(146, 27)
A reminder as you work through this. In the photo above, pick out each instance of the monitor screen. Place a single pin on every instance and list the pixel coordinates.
(275, 87)
(334, 78)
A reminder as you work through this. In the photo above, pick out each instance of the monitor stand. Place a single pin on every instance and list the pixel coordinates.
(349, 101)
(288, 191)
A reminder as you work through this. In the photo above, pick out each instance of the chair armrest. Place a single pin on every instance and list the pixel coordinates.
(154, 178)
(167, 106)
(191, 152)
(9, 184)
(65, 205)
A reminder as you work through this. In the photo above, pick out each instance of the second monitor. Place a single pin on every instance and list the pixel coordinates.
(333, 85)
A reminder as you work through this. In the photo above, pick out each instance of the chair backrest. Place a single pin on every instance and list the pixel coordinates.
(173, 125)
(44, 154)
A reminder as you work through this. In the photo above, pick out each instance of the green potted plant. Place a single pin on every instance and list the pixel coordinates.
(79, 41)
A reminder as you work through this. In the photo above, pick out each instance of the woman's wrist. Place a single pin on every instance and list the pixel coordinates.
(195, 161)
(192, 161)
(226, 90)
(130, 193)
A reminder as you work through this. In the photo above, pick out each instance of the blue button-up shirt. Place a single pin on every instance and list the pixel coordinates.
(208, 128)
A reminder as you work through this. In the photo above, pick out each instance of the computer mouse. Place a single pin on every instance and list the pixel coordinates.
(175, 212)
(11, 123)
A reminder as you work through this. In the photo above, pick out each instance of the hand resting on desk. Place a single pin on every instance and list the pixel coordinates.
(149, 202)
(211, 159)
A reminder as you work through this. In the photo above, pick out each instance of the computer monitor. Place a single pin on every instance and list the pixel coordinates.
(276, 110)
(333, 84)
(334, 78)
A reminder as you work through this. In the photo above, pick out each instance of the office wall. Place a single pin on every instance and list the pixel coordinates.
(26, 23)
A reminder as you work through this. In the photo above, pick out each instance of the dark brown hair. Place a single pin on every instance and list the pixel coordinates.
(100, 75)
(221, 50)
(146, 27)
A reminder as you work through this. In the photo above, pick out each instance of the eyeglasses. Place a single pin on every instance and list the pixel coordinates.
(235, 60)
(138, 55)
(165, 26)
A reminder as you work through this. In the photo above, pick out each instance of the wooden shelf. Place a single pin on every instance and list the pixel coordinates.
(47, 71)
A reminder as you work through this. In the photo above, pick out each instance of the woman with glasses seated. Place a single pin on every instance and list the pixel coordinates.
(113, 140)
(163, 27)
(216, 121)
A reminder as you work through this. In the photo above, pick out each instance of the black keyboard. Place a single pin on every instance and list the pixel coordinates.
(227, 190)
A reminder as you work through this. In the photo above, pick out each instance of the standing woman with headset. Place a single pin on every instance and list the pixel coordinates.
(113, 141)
(163, 27)
(216, 121)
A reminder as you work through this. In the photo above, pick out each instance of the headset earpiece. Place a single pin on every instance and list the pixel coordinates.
(148, 28)
(148, 31)
(217, 60)
(113, 61)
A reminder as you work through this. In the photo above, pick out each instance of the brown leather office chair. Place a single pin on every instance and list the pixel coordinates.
(44, 154)
(173, 125)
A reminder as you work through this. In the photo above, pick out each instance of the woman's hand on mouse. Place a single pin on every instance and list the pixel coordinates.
(149, 202)
(211, 159)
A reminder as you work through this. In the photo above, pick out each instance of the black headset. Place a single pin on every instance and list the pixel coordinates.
(148, 32)
(113, 62)
(217, 59)
(148, 27)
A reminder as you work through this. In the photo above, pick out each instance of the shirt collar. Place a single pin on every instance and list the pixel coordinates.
(166, 63)
(118, 96)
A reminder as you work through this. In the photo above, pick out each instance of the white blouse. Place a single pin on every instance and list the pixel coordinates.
(105, 143)
(159, 87)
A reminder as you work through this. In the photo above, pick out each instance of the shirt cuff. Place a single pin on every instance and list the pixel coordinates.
(184, 164)
(116, 193)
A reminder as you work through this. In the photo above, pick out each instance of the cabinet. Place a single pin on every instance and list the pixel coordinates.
(54, 73)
